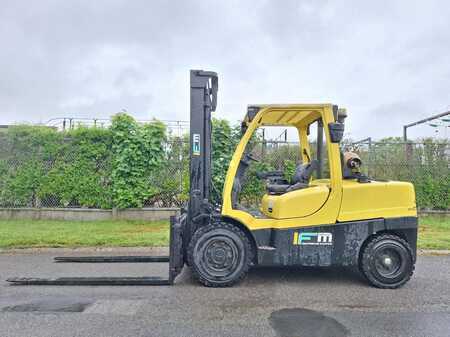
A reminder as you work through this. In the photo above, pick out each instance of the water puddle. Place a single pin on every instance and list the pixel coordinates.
(305, 323)
(49, 306)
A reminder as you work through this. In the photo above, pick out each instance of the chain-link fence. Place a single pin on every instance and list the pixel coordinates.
(64, 179)
(64, 176)
(426, 165)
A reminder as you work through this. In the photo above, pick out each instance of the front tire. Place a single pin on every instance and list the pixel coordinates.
(387, 261)
(219, 254)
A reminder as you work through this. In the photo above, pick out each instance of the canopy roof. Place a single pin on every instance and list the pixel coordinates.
(287, 114)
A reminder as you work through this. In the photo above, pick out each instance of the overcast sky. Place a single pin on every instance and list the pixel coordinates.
(388, 62)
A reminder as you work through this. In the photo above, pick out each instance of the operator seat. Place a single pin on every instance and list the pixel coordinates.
(300, 180)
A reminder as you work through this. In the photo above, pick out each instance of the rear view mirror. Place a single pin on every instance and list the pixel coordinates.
(336, 132)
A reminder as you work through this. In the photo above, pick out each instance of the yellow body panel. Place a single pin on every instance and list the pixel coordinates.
(377, 199)
(295, 204)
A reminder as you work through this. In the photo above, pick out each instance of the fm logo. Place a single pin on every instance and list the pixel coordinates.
(196, 144)
(306, 238)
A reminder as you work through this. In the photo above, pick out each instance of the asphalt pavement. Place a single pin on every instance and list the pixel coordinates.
(270, 302)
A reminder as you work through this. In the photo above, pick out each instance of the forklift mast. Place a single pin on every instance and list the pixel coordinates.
(204, 86)
(203, 91)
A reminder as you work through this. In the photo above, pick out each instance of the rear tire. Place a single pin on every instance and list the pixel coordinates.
(387, 261)
(219, 254)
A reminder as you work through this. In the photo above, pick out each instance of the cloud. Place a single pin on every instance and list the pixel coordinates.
(93, 58)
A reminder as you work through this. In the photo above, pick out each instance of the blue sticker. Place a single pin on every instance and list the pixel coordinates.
(196, 144)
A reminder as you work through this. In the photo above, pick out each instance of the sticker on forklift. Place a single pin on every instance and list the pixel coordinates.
(196, 144)
(312, 238)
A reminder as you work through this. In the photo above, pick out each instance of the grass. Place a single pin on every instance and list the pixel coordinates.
(46, 233)
(434, 233)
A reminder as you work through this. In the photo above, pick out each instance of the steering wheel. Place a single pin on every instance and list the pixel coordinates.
(250, 157)
(247, 158)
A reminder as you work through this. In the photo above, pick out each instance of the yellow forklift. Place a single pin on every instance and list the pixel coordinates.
(344, 219)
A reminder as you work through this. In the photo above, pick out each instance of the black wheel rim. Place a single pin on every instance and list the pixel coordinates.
(219, 257)
(389, 262)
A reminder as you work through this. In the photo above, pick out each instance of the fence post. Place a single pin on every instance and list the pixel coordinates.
(115, 213)
(408, 152)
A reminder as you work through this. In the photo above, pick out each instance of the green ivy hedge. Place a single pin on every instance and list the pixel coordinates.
(87, 167)
(133, 165)
(125, 165)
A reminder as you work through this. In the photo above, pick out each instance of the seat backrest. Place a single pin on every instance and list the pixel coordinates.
(303, 172)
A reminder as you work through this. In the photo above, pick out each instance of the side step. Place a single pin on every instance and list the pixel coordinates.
(175, 259)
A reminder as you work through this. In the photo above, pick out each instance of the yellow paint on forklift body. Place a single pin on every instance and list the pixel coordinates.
(295, 204)
(377, 199)
(326, 201)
